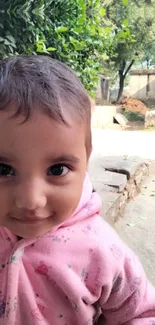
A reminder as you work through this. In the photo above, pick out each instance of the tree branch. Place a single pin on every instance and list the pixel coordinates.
(122, 67)
(129, 67)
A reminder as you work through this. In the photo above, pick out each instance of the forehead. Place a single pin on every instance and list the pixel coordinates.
(39, 134)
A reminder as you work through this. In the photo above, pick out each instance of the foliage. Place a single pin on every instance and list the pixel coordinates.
(68, 30)
(83, 34)
(133, 25)
(133, 116)
(147, 58)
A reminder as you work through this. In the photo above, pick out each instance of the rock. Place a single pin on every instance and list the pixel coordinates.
(140, 174)
(96, 185)
(114, 181)
(121, 119)
(109, 202)
(150, 118)
(117, 180)
(95, 169)
(131, 189)
(124, 165)
(116, 209)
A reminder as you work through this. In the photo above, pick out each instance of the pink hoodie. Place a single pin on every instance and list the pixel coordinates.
(78, 273)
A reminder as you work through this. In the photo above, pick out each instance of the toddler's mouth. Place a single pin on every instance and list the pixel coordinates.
(30, 220)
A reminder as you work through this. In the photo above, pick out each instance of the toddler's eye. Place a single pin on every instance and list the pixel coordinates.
(6, 170)
(58, 170)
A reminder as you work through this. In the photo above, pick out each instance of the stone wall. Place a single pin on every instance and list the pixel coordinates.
(118, 180)
(142, 84)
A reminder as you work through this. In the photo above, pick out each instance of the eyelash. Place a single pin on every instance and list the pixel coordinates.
(7, 169)
(58, 166)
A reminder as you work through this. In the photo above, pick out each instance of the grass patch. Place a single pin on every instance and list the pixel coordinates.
(133, 116)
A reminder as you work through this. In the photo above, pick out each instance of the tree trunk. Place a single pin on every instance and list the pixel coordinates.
(147, 63)
(121, 85)
(122, 76)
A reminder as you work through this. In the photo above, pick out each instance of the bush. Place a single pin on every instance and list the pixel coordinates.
(133, 116)
(67, 30)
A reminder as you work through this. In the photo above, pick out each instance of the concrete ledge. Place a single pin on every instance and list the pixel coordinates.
(102, 116)
(150, 118)
(113, 182)
(117, 180)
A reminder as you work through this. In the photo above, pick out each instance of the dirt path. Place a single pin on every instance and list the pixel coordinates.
(137, 227)
(118, 143)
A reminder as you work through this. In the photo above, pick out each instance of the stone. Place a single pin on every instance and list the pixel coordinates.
(131, 189)
(96, 185)
(121, 119)
(114, 181)
(117, 180)
(150, 118)
(140, 175)
(116, 210)
(112, 203)
(124, 165)
(109, 202)
(108, 197)
(95, 169)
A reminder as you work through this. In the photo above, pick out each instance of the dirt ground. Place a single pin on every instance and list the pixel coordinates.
(137, 226)
(133, 105)
(129, 105)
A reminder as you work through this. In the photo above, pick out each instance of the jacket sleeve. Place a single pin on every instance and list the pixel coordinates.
(127, 297)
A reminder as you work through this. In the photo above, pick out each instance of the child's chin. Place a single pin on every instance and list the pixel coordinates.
(32, 234)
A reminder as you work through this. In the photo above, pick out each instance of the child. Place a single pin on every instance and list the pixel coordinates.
(60, 262)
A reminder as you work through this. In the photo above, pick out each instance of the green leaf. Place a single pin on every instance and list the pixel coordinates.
(143, 218)
(102, 12)
(6, 42)
(108, 30)
(125, 2)
(131, 224)
(61, 29)
(51, 49)
(2, 39)
(125, 23)
(78, 30)
(11, 38)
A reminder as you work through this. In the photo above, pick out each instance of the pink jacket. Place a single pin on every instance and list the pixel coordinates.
(78, 273)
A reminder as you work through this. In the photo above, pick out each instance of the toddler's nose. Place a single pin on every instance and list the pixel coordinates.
(30, 195)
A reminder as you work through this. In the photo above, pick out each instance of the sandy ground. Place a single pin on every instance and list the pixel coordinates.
(137, 226)
(117, 142)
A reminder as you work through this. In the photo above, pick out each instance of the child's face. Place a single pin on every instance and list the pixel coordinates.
(42, 169)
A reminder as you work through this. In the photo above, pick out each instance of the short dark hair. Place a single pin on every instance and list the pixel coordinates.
(33, 82)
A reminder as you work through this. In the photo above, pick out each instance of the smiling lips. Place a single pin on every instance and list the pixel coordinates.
(30, 220)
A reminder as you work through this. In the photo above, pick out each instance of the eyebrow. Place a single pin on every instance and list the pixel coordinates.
(64, 158)
(4, 159)
(56, 160)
